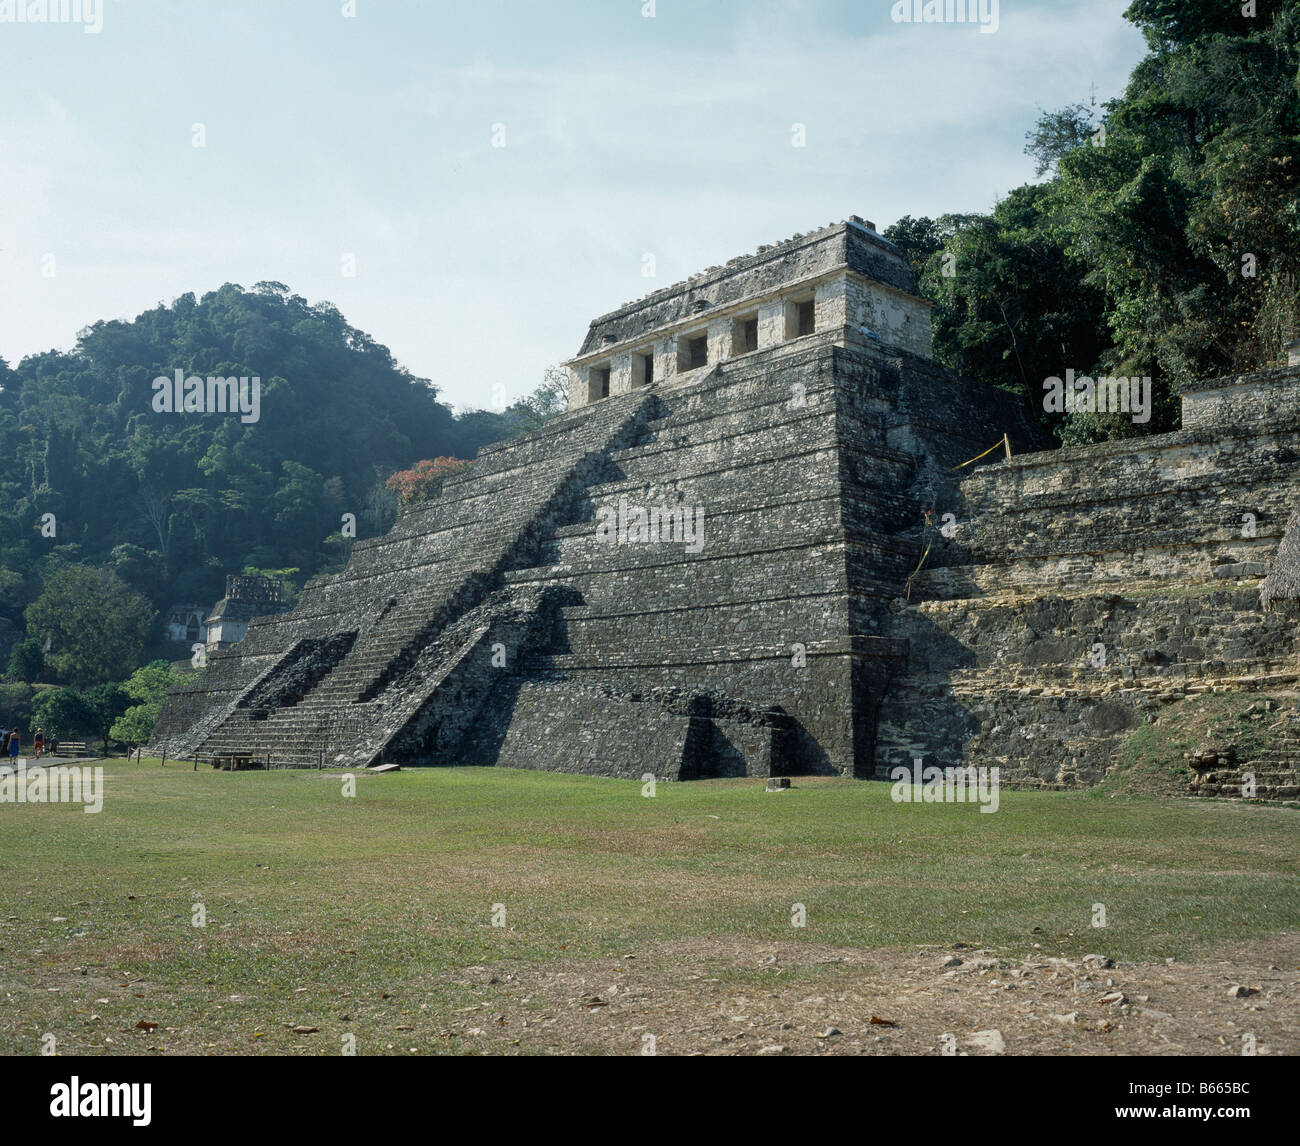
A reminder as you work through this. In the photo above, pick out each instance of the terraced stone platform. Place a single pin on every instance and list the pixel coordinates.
(1091, 590)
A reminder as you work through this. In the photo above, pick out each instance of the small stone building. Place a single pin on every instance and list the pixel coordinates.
(187, 623)
(841, 278)
(247, 597)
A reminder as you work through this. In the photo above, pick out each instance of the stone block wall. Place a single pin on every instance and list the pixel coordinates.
(1088, 588)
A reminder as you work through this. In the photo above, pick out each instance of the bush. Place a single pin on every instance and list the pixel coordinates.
(27, 661)
(62, 712)
(16, 705)
(148, 686)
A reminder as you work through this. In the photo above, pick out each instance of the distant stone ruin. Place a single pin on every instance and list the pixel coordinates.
(247, 596)
(733, 556)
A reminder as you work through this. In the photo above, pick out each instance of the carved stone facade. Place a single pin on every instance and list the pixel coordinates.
(844, 280)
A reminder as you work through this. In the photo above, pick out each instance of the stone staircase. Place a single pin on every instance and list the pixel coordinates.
(1270, 774)
(351, 709)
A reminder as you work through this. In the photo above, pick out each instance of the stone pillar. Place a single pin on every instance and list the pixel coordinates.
(774, 320)
(579, 394)
(665, 358)
(830, 304)
(719, 340)
(622, 375)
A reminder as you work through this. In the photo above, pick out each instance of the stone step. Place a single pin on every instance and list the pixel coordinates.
(1289, 775)
(689, 427)
(670, 653)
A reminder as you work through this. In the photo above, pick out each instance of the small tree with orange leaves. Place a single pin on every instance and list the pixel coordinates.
(424, 479)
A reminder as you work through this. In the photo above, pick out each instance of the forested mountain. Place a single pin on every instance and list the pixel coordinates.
(1165, 240)
(172, 502)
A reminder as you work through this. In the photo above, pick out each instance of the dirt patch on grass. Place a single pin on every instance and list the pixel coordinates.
(699, 996)
(709, 997)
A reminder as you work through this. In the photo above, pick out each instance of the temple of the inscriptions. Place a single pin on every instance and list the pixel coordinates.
(757, 543)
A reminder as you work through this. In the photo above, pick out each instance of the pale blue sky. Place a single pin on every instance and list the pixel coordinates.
(476, 265)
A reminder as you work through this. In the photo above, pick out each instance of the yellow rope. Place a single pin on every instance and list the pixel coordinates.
(908, 594)
(977, 457)
(929, 526)
(928, 530)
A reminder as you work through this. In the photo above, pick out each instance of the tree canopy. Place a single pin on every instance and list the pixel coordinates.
(1165, 241)
(147, 686)
(172, 502)
(91, 626)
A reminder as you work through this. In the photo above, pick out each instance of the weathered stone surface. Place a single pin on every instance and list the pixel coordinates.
(828, 617)
(1087, 587)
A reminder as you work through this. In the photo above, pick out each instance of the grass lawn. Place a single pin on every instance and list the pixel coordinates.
(367, 913)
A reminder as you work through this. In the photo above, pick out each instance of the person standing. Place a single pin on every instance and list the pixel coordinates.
(15, 744)
(38, 742)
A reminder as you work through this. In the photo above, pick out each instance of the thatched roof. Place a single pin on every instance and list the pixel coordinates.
(1283, 580)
